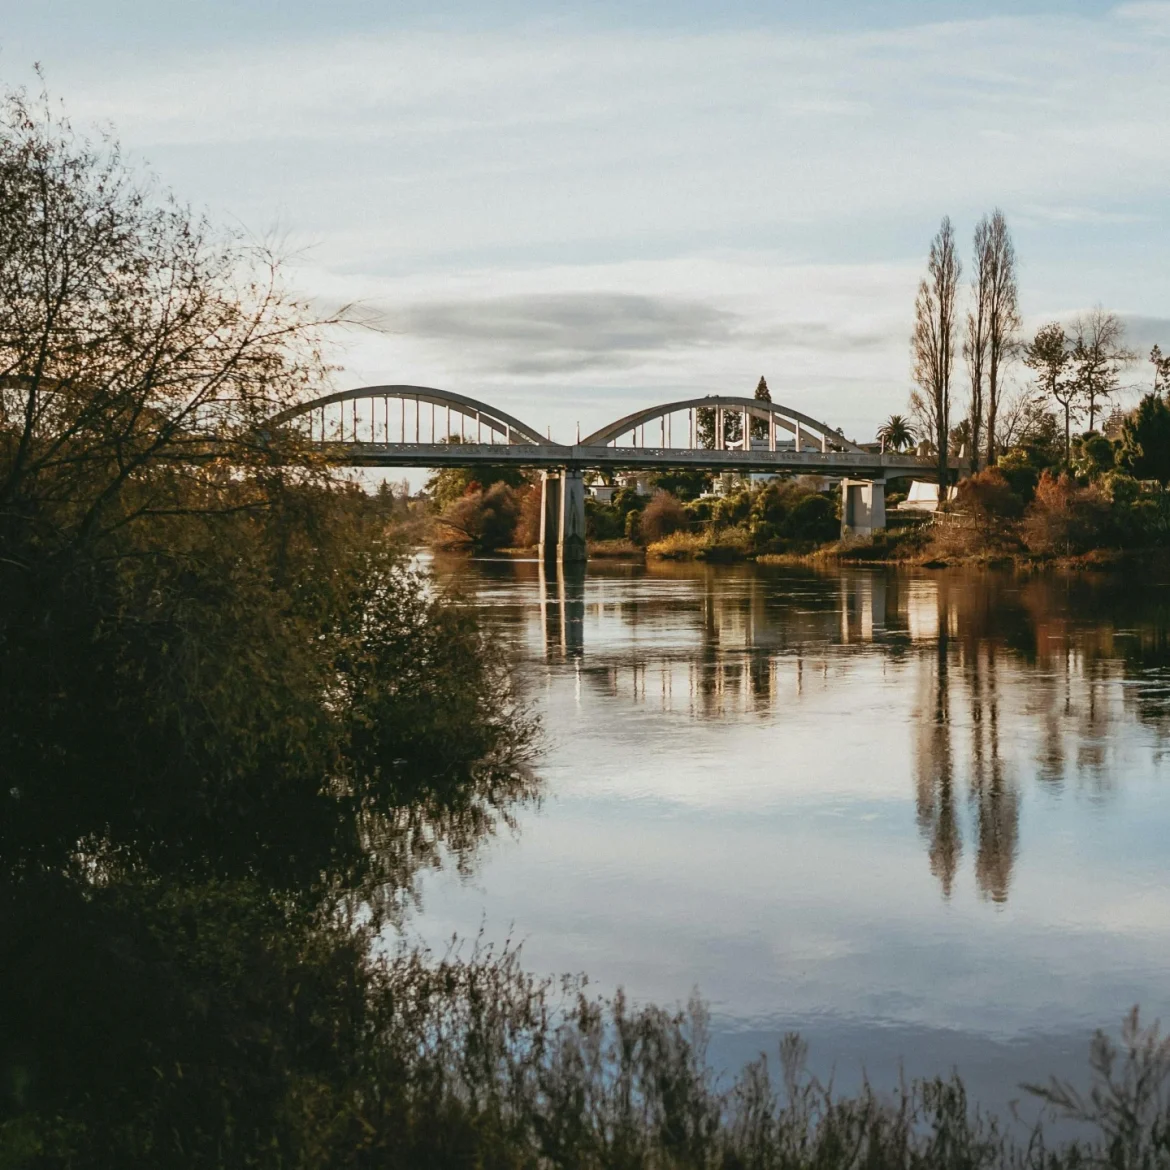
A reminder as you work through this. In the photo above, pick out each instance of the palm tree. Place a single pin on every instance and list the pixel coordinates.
(896, 433)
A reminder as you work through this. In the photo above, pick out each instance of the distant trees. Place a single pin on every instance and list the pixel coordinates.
(933, 341)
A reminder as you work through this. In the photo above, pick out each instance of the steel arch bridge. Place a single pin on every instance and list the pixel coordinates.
(420, 426)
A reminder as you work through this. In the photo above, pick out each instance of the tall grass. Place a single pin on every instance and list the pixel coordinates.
(496, 1068)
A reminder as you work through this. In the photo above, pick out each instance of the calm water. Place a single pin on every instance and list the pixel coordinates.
(918, 816)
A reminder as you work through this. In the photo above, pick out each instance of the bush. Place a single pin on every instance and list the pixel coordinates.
(662, 516)
(813, 518)
(634, 526)
(732, 509)
(1064, 518)
(602, 521)
(988, 499)
(485, 520)
(527, 531)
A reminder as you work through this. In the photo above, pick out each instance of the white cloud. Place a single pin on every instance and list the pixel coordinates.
(444, 176)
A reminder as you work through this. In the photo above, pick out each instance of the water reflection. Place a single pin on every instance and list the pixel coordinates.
(914, 816)
(726, 643)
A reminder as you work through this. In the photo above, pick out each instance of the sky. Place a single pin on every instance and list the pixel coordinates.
(575, 211)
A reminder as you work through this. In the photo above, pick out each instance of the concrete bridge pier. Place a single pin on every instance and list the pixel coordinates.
(863, 507)
(562, 516)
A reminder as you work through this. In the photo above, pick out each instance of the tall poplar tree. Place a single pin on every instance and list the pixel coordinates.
(1002, 313)
(933, 343)
(975, 343)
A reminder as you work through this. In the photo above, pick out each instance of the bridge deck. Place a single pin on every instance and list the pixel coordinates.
(863, 464)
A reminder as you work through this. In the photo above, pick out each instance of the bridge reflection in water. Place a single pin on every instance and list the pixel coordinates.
(994, 680)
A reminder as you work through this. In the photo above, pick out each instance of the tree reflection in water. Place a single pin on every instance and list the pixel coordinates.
(1016, 679)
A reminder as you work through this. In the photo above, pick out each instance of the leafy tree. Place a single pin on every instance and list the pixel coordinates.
(1145, 440)
(705, 427)
(682, 482)
(896, 433)
(933, 342)
(448, 484)
(1049, 356)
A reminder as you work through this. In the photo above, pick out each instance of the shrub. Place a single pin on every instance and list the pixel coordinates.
(1065, 518)
(988, 499)
(483, 520)
(814, 518)
(662, 516)
(527, 530)
(732, 509)
(602, 521)
(634, 526)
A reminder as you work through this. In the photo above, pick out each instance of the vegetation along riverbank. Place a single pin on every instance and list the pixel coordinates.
(235, 727)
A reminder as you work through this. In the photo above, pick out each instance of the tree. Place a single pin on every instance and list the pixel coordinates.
(705, 427)
(1161, 370)
(997, 261)
(140, 351)
(975, 343)
(763, 394)
(1097, 358)
(896, 433)
(1145, 440)
(933, 341)
(1049, 356)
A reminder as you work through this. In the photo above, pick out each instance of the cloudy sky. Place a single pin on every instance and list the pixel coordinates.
(572, 211)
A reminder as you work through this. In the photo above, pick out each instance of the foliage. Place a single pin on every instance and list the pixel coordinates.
(896, 433)
(682, 483)
(1092, 456)
(1145, 440)
(485, 520)
(759, 428)
(1048, 355)
(661, 516)
(988, 498)
(1064, 518)
(450, 484)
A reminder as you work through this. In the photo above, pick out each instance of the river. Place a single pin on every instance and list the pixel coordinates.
(920, 817)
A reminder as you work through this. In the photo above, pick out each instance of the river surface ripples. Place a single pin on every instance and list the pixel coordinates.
(922, 818)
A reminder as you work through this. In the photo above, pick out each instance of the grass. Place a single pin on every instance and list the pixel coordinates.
(615, 548)
(721, 544)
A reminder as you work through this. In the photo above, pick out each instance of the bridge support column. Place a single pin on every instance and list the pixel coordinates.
(863, 507)
(571, 546)
(562, 516)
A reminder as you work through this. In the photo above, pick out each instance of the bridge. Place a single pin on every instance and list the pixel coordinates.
(419, 426)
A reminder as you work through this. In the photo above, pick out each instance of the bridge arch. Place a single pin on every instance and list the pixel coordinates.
(805, 429)
(328, 414)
